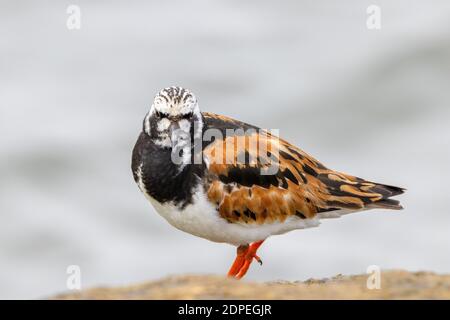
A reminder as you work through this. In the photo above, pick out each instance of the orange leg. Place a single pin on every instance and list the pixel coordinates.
(245, 256)
(239, 261)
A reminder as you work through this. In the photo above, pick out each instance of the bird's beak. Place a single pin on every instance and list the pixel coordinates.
(174, 126)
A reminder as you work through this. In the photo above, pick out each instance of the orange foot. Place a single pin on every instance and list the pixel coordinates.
(245, 255)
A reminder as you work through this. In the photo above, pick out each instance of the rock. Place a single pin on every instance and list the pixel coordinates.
(395, 284)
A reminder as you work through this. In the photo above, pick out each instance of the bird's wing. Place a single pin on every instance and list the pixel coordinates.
(301, 186)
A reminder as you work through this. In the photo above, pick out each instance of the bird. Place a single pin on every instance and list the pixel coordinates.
(228, 181)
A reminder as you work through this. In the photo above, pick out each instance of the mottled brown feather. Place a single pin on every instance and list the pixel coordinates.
(302, 186)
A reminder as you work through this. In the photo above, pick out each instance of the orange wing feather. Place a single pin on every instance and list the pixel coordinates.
(301, 186)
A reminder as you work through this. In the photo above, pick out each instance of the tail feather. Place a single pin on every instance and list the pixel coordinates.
(387, 192)
(349, 192)
(387, 204)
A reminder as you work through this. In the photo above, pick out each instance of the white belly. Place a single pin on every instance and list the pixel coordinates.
(202, 219)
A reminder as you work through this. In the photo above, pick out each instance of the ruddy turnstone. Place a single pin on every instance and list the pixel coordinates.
(228, 181)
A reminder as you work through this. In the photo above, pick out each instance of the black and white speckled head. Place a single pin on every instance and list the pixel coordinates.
(173, 116)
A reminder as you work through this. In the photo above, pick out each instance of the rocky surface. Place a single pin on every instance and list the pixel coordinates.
(394, 285)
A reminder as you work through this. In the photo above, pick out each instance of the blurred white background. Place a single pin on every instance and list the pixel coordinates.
(373, 103)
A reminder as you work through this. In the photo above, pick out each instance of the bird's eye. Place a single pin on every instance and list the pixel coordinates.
(160, 114)
(187, 115)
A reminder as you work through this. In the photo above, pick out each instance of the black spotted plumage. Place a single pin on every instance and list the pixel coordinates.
(302, 186)
(164, 183)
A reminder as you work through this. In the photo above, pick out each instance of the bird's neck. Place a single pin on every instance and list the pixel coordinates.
(162, 178)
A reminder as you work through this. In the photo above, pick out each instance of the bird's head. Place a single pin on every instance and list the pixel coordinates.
(173, 117)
